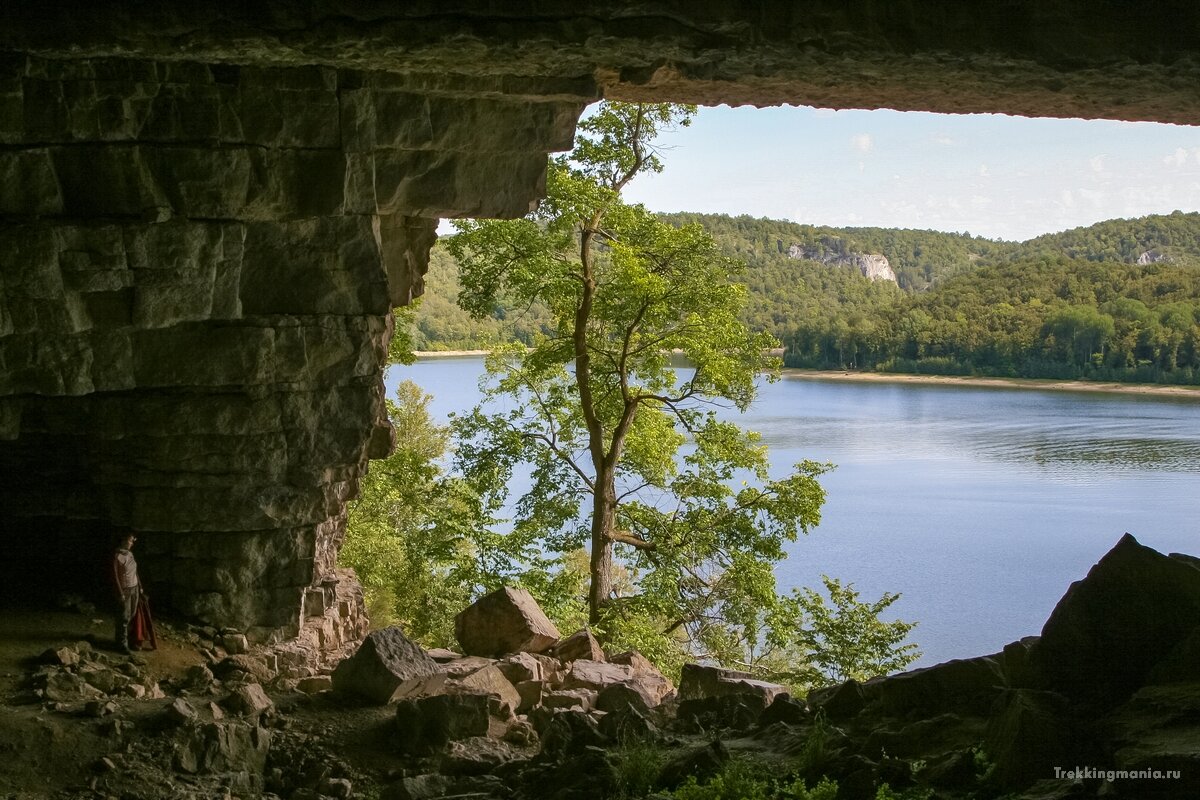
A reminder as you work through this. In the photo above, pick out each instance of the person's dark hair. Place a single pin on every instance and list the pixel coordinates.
(121, 535)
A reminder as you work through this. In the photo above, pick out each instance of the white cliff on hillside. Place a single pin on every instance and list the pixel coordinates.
(872, 265)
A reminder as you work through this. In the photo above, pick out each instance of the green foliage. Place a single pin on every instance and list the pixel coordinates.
(637, 768)
(846, 638)
(886, 792)
(413, 535)
(743, 779)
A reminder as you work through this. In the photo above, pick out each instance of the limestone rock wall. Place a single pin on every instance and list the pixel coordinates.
(197, 269)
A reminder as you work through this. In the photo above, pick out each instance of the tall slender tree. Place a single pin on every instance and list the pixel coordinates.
(628, 453)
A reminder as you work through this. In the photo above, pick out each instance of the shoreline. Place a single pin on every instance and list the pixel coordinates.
(449, 353)
(1045, 384)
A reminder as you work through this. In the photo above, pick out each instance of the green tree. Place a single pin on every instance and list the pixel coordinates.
(629, 458)
(845, 638)
(413, 533)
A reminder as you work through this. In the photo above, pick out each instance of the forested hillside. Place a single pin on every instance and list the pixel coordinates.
(1071, 304)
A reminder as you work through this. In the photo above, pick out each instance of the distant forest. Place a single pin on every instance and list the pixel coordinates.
(1119, 300)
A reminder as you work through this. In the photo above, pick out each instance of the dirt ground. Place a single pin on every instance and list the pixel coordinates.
(44, 753)
(48, 754)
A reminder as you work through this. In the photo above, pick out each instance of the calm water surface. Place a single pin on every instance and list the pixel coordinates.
(979, 505)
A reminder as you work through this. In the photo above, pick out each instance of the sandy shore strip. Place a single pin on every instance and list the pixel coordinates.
(449, 353)
(1045, 384)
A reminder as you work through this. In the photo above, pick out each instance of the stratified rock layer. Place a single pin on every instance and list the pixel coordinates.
(199, 263)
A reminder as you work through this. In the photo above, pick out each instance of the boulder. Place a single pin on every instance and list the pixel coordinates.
(465, 665)
(315, 684)
(570, 732)
(520, 667)
(103, 678)
(838, 702)
(442, 655)
(785, 709)
(225, 746)
(649, 680)
(249, 700)
(257, 667)
(531, 693)
(1181, 665)
(627, 725)
(1031, 734)
(387, 666)
(488, 680)
(737, 712)
(701, 682)
(595, 675)
(479, 755)
(66, 687)
(582, 699)
(428, 723)
(961, 685)
(581, 644)
(235, 643)
(620, 696)
(435, 786)
(1107, 633)
(505, 621)
(61, 656)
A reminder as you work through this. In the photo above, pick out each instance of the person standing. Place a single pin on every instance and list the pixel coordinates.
(128, 589)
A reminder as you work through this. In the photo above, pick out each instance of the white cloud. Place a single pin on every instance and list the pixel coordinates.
(944, 140)
(1097, 162)
(1178, 158)
(1067, 198)
(862, 142)
(984, 171)
(1093, 196)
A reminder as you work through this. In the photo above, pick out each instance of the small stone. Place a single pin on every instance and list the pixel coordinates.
(338, 787)
(106, 764)
(180, 711)
(315, 684)
(62, 656)
(235, 643)
(99, 708)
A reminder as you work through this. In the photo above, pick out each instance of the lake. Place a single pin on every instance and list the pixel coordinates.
(979, 505)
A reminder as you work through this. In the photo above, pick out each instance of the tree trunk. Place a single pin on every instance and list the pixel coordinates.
(604, 504)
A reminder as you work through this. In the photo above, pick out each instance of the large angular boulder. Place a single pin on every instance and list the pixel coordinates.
(698, 682)
(387, 666)
(428, 723)
(487, 680)
(581, 644)
(965, 684)
(1110, 629)
(505, 621)
(595, 675)
(647, 678)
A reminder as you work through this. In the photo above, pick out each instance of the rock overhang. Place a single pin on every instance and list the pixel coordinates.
(208, 210)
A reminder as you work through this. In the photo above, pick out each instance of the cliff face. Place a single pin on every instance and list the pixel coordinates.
(869, 265)
(208, 210)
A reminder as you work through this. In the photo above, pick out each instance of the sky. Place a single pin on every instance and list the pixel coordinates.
(996, 176)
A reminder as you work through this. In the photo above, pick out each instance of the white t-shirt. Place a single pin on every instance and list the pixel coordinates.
(126, 566)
